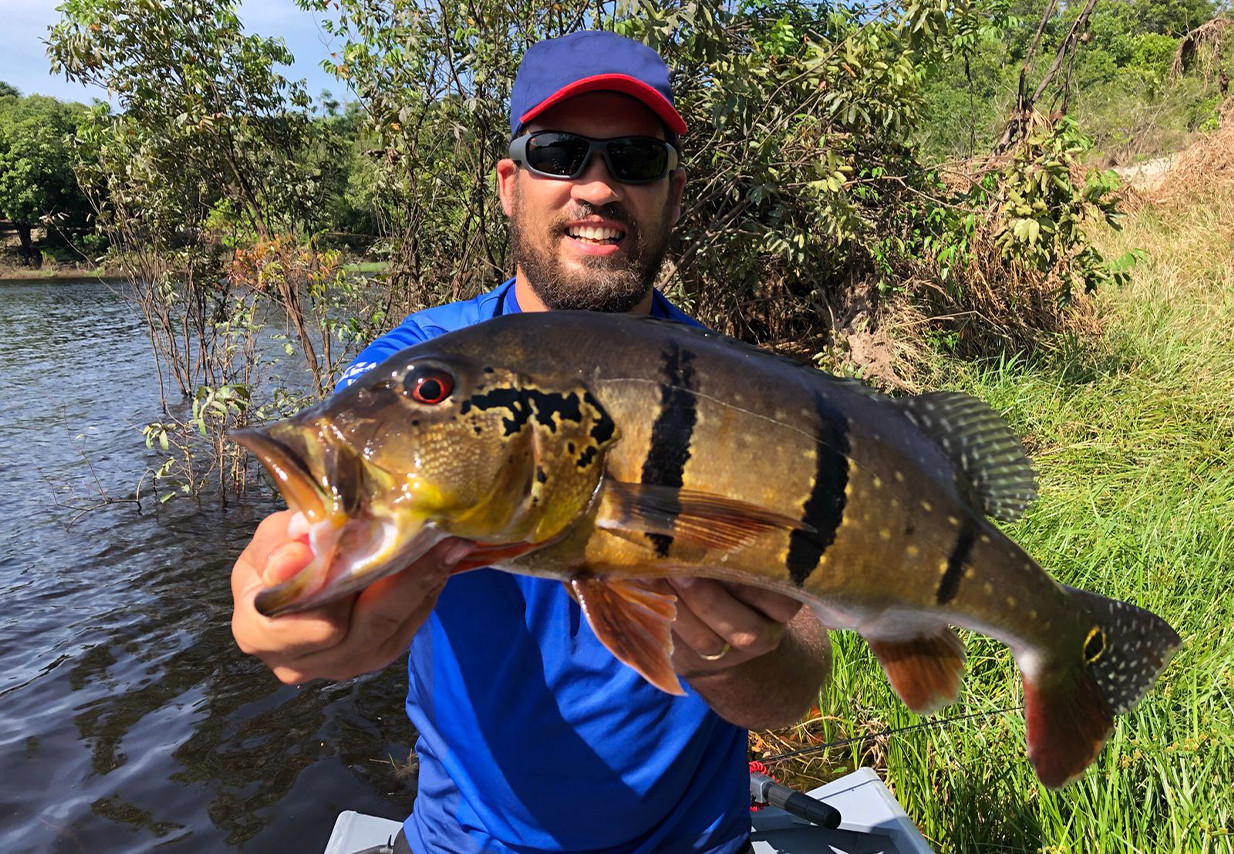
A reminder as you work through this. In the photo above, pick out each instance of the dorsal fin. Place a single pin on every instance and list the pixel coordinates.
(979, 444)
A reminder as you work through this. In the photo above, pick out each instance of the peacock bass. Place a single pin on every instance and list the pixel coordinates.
(612, 451)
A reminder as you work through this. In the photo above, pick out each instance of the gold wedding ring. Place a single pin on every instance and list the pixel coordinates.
(716, 656)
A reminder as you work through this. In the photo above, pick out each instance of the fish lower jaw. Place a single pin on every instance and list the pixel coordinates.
(348, 555)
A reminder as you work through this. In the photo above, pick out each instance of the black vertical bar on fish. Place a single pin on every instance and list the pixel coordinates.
(823, 510)
(949, 586)
(672, 432)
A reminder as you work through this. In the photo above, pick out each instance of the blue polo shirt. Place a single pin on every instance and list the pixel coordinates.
(532, 737)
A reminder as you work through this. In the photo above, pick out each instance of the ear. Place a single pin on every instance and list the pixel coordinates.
(676, 185)
(507, 171)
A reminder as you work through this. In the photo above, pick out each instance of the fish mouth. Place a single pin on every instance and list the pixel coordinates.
(353, 543)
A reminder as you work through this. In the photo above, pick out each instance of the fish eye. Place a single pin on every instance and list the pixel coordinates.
(428, 385)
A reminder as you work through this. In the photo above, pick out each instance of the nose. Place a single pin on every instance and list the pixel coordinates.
(596, 186)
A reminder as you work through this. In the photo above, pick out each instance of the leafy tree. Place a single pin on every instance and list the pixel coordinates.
(36, 165)
(7, 90)
(210, 179)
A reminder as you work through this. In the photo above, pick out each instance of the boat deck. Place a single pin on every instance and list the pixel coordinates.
(872, 822)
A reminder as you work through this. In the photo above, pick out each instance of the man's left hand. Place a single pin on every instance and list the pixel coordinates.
(721, 625)
(756, 657)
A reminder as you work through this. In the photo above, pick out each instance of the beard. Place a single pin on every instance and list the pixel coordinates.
(605, 283)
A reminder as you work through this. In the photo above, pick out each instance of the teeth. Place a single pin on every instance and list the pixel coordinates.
(589, 232)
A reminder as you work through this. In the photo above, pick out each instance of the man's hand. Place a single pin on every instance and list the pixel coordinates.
(721, 628)
(355, 635)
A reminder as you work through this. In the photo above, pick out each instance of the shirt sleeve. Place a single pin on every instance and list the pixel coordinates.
(407, 334)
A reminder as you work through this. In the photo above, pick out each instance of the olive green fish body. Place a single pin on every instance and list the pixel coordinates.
(611, 451)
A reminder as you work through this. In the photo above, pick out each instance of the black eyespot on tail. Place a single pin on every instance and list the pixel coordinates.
(1126, 649)
(1094, 645)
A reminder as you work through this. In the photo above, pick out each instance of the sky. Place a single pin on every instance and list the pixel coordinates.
(23, 58)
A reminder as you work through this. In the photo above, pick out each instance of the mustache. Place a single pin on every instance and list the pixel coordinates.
(615, 211)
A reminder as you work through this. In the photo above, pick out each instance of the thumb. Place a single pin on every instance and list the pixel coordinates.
(285, 561)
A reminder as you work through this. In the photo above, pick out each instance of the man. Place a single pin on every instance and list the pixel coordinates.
(532, 737)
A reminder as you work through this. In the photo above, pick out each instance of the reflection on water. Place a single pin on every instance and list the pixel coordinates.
(128, 719)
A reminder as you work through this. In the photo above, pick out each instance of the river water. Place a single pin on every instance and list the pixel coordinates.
(129, 721)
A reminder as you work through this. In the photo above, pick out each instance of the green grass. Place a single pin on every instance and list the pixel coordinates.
(1133, 441)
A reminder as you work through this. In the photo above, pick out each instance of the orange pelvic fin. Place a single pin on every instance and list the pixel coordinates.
(634, 621)
(1068, 721)
(925, 671)
(711, 521)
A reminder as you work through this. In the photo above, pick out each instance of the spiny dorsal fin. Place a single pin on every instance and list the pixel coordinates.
(981, 445)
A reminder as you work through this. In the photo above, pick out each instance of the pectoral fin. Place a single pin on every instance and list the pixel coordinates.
(635, 622)
(925, 671)
(707, 520)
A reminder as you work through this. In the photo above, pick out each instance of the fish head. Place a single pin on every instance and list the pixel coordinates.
(430, 444)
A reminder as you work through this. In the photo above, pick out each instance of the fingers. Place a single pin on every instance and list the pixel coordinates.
(355, 635)
(739, 621)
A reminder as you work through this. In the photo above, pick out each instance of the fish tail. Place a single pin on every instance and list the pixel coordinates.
(1072, 694)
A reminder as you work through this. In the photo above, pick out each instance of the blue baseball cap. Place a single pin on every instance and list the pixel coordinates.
(591, 61)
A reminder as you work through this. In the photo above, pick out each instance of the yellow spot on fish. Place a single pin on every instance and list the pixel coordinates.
(927, 506)
(953, 521)
(878, 482)
(912, 551)
(989, 588)
(884, 534)
(943, 566)
(899, 476)
(968, 573)
(1011, 603)
(1032, 613)
(985, 538)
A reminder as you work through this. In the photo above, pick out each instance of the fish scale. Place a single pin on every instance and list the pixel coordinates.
(657, 450)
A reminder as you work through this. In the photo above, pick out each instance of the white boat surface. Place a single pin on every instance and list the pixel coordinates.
(871, 822)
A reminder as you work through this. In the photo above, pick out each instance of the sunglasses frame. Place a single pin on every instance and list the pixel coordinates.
(518, 153)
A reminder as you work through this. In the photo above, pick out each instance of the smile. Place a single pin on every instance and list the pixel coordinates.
(595, 234)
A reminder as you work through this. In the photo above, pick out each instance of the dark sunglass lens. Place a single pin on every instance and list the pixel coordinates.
(556, 154)
(638, 159)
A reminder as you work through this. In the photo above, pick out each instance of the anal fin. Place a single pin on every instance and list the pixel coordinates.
(635, 622)
(1067, 721)
(926, 671)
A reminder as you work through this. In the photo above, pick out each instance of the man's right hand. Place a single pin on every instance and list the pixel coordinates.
(358, 634)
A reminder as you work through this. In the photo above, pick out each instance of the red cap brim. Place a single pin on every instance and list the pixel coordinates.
(623, 83)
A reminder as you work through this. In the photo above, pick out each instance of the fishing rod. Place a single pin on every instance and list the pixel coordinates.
(766, 790)
(938, 722)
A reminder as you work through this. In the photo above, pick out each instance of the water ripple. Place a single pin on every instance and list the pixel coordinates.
(129, 721)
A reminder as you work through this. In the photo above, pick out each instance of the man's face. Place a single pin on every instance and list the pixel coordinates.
(592, 242)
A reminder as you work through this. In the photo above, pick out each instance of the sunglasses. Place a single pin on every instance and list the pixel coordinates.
(630, 159)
